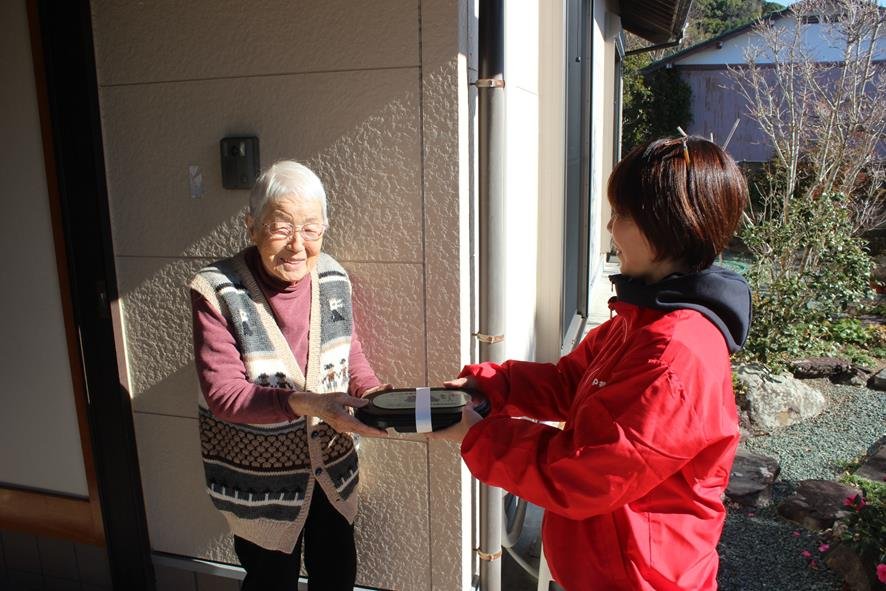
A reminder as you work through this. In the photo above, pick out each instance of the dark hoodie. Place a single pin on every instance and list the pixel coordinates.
(720, 295)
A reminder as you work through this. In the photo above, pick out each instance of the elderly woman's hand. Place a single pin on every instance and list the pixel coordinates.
(334, 409)
(379, 388)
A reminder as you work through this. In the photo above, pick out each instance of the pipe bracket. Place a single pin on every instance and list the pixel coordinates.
(489, 339)
(489, 83)
(486, 555)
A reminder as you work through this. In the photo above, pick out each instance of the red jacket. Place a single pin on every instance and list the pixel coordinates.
(632, 485)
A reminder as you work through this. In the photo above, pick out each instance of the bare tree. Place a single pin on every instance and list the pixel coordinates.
(825, 119)
(816, 85)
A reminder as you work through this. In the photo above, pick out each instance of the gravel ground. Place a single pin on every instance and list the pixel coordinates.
(759, 550)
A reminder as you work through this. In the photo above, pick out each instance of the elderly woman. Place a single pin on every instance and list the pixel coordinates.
(632, 484)
(280, 363)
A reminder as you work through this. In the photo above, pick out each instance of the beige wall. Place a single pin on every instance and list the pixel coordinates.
(551, 177)
(39, 437)
(367, 94)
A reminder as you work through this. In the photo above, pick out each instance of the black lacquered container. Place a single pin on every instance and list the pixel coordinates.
(396, 408)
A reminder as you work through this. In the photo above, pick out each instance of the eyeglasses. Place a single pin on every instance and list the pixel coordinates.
(285, 231)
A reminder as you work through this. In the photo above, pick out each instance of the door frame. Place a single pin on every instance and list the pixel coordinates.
(68, 103)
(38, 512)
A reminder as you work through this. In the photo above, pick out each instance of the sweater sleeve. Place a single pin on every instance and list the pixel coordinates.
(606, 457)
(542, 391)
(222, 374)
(362, 376)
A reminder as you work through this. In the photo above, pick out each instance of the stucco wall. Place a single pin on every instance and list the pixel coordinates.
(369, 96)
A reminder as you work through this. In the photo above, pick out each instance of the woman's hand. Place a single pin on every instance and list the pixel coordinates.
(469, 417)
(334, 409)
(457, 432)
(379, 388)
(468, 382)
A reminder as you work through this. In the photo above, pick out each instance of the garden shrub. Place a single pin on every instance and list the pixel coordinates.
(808, 269)
(654, 104)
(864, 529)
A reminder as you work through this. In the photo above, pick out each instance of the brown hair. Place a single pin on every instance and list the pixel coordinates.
(685, 194)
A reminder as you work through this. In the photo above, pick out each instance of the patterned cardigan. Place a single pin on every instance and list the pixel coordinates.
(261, 477)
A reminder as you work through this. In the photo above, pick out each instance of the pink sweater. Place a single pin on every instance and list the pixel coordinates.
(230, 396)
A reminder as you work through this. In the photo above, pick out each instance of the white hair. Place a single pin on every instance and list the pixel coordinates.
(286, 178)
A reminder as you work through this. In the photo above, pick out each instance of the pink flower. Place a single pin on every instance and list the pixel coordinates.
(881, 572)
(857, 502)
(824, 548)
(813, 564)
(751, 514)
(795, 533)
(806, 554)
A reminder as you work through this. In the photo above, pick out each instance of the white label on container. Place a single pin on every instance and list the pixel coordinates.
(423, 410)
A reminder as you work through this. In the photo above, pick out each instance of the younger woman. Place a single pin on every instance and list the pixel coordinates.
(632, 484)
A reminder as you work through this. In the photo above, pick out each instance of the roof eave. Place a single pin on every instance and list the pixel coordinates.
(657, 21)
(664, 62)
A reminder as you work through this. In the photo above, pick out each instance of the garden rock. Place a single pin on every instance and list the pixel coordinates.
(857, 575)
(874, 468)
(819, 367)
(750, 482)
(776, 400)
(816, 504)
(745, 429)
(854, 377)
(878, 380)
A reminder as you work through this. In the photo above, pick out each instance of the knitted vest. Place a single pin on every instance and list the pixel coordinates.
(261, 477)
